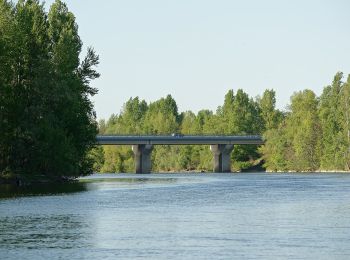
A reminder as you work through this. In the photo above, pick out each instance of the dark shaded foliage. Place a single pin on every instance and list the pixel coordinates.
(47, 121)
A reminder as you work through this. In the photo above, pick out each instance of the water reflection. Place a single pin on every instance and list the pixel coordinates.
(11, 191)
(93, 182)
(131, 180)
(112, 182)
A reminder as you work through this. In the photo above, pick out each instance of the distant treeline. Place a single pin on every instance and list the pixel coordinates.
(47, 122)
(313, 134)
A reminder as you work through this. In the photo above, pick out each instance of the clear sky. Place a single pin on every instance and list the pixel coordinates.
(196, 50)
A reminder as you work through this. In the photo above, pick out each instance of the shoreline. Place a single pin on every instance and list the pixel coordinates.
(25, 180)
(210, 172)
(18, 180)
(318, 171)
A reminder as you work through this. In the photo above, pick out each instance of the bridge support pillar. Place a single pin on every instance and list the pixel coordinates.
(222, 160)
(142, 154)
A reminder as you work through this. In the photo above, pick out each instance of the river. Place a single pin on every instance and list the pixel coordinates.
(179, 216)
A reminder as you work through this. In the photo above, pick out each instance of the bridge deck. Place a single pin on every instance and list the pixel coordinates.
(177, 140)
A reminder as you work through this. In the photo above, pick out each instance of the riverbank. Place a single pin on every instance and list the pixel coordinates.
(26, 180)
(317, 171)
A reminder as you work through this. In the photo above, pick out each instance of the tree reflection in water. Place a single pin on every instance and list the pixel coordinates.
(11, 191)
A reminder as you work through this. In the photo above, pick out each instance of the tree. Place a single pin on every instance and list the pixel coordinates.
(189, 123)
(7, 59)
(345, 103)
(27, 81)
(270, 116)
(294, 145)
(129, 121)
(162, 117)
(331, 112)
(303, 128)
(132, 116)
(313, 133)
(50, 123)
(277, 149)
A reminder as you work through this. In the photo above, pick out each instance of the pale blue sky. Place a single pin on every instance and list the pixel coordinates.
(197, 50)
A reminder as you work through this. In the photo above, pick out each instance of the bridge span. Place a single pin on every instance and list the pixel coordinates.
(142, 145)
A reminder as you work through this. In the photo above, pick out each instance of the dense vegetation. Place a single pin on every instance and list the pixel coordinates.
(239, 115)
(313, 134)
(47, 123)
(48, 127)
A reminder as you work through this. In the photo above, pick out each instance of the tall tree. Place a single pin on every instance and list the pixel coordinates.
(303, 128)
(267, 103)
(30, 69)
(345, 103)
(277, 151)
(162, 117)
(132, 116)
(7, 40)
(50, 122)
(331, 113)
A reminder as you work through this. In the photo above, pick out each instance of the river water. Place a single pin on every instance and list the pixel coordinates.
(180, 216)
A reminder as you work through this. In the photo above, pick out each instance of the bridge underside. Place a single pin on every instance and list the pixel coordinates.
(221, 153)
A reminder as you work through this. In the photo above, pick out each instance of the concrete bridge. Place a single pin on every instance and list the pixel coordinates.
(221, 147)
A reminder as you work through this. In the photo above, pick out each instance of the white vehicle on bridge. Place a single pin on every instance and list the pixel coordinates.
(177, 135)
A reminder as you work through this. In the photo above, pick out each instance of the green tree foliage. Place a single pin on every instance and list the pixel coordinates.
(303, 130)
(130, 121)
(240, 115)
(270, 116)
(47, 119)
(345, 101)
(7, 45)
(190, 124)
(48, 124)
(97, 155)
(334, 115)
(162, 118)
(294, 145)
(277, 149)
(314, 135)
(133, 115)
